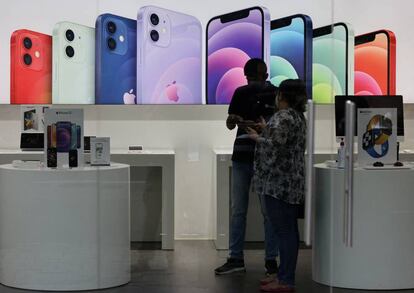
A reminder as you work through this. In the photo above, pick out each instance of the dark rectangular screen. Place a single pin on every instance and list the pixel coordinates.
(368, 102)
(32, 141)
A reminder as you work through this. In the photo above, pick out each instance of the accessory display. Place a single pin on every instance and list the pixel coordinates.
(379, 129)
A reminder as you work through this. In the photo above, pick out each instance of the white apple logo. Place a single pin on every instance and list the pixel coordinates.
(129, 97)
(171, 92)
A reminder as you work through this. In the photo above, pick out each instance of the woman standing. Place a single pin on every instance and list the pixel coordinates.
(279, 175)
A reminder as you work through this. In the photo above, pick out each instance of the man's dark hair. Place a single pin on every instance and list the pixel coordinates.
(293, 91)
(251, 69)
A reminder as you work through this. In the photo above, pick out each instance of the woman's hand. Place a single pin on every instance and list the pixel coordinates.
(252, 133)
(261, 124)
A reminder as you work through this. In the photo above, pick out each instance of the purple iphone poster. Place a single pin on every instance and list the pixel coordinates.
(230, 45)
(169, 61)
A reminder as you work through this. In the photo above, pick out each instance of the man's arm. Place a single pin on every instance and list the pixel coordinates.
(234, 112)
(232, 121)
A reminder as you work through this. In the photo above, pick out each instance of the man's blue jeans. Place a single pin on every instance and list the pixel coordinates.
(242, 173)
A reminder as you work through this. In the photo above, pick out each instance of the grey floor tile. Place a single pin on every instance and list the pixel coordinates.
(189, 269)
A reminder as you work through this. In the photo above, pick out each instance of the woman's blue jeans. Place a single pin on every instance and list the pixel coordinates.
(283, 217)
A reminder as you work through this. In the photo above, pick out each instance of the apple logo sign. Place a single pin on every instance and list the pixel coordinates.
(171, 92)
(129, 97)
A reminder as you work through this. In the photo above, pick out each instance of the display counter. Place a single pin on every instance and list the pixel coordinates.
(383, 236)
(64, 229)
(152, 204)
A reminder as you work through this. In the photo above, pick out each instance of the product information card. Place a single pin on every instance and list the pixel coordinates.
(377, 136)
(100, 151)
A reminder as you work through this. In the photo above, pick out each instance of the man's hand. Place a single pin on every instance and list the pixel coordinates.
(232, 121)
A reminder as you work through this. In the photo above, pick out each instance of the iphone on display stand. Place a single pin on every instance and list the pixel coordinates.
(30, 68)
(116, 55)
(375, 63)
(291, 50)
(73, 64)
(233, 39)
(51, 157)
(168, 57)
(333, 62)
(73, 158)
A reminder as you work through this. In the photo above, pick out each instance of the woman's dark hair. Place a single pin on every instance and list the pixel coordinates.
(293, 91)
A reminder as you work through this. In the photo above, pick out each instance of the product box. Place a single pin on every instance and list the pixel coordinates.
(63, 138)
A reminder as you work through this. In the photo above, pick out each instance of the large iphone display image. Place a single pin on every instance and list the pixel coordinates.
(232, 39)
(116, 56)
(30, 67)
(375, 67)
(73, 64)
(169, 49)
(291, 50)
(333, 62)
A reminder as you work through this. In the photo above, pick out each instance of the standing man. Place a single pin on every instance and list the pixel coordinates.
(250, 106)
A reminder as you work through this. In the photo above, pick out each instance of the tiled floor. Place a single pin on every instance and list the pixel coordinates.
(189, 269)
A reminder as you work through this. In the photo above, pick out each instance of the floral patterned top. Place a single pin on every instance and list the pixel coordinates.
(279, 165)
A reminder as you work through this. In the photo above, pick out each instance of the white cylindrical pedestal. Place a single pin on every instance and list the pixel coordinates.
(64, 229)
(382, 256)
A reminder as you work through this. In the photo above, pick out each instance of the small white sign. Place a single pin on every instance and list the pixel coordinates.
(377, 136)
(100, 151)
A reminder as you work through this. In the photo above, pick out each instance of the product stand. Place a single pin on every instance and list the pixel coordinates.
(163, 198)
(381, 257)
(64, 229)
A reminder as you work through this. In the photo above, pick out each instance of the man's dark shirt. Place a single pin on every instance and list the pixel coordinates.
(250, 102)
